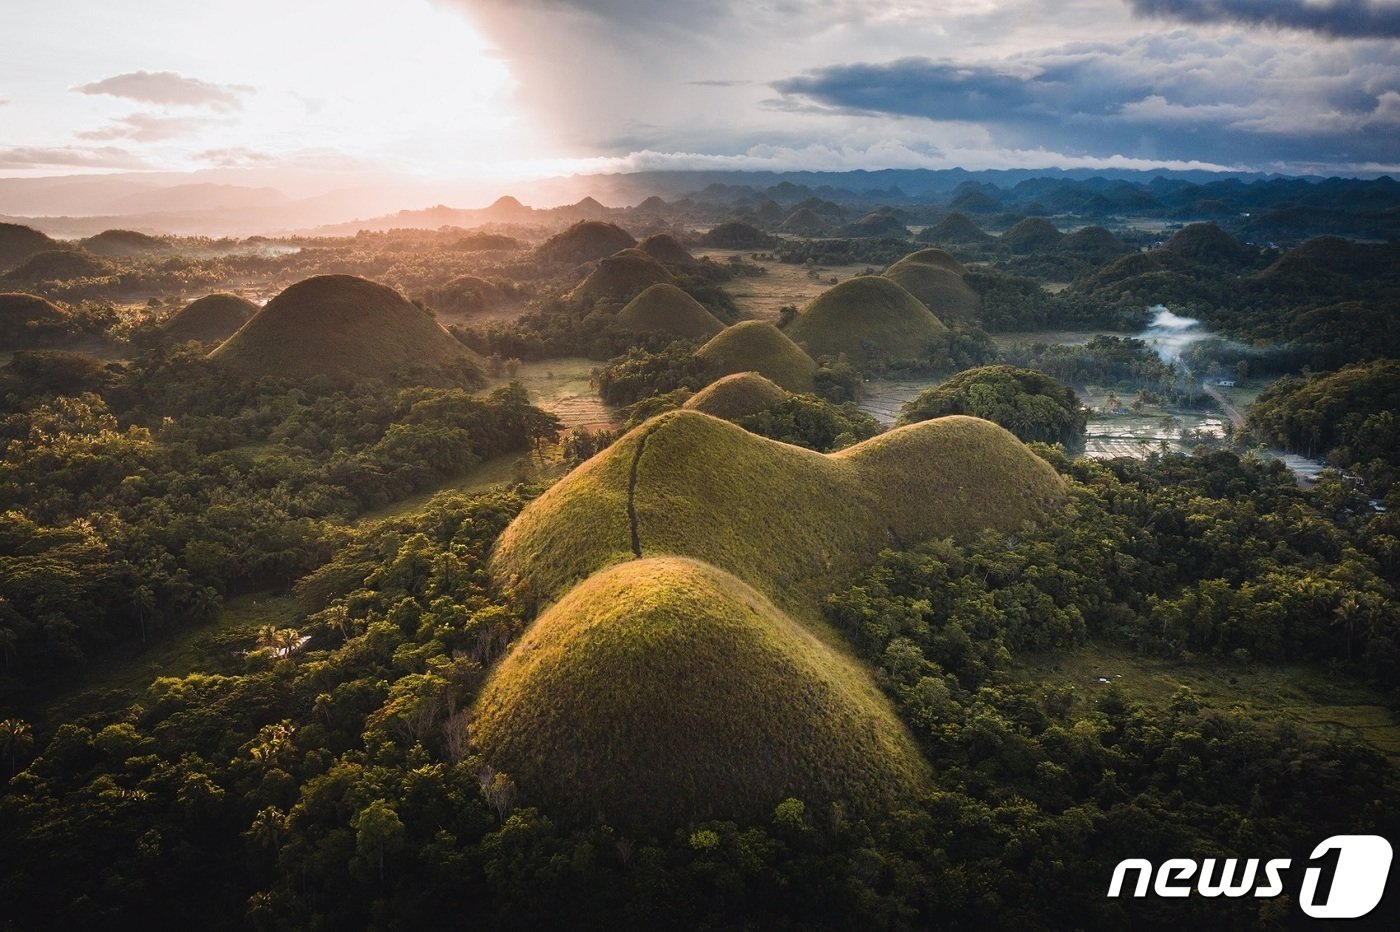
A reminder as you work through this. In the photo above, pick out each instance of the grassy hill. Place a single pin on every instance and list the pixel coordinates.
(804, 222)
(29, 322)
(210, 319)
(955, 228)
(666, 249)
(343, 327)
(466, 294)
(18, 242)
(1033, 234)
(736, 396)
(666, 691)
(936, 279)
(585, 241)
(667, 310)
(790, 522)
(58, 265)
(621, 277)
(114, 243)
(1207, 243)
(758, 346)
(869, 319)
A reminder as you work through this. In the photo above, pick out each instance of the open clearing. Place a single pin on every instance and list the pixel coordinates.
(762, 296)
(120, 677)
(563, 387)
(1339, 707)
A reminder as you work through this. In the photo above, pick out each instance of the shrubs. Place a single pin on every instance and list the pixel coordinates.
(1030, 404)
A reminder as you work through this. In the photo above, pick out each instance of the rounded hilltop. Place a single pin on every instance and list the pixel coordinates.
(665, 691)
(736, 396)
(936, 279)
(621, 277)
(58, 265)
(791, 522)
(955, 228)
(121, 243)
(667, 310)
(666, 249)
(758, 346)
(210, 319)
(804, 222)
(28, 321)
(585, 241)
(18, 242)
(343, 327)
(870, 320)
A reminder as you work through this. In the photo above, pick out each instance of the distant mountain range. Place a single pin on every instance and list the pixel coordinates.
(183, 204)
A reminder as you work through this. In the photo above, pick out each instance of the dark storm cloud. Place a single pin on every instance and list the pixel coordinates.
(1342, 19)
(1176, 97)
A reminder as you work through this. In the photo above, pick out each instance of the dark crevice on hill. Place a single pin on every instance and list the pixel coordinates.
(632, 494)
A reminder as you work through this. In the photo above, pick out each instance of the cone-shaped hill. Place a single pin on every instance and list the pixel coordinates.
(793, 523)
(18, 242)
(29, 322)
(936, 279)
(116, 243)
(622, 276)
(210, 319)
(340, 326)
(1033, 234)
(870, 319)
(758, 346)
(58, 265)
(666, 249)
(954, 228)
(1207, 243)
(665, 691)
(803, 222)
(667, 310)
(585, 241)
(736, 396)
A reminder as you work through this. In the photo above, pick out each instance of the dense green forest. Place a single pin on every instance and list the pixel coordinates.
(246, 618)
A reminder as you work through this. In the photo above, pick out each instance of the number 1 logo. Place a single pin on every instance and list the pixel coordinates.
(1350, 880)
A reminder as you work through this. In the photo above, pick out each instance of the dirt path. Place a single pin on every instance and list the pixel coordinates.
(1230, 410)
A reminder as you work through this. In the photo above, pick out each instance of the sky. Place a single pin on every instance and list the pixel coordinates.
(442, 89)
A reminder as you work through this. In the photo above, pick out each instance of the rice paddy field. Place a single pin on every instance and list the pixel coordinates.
(563, 387)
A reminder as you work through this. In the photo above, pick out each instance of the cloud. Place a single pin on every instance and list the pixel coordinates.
(169, 88)
(1178, 96)
(236, 157)
(1341, 19)
(145, 127)
(68, 157)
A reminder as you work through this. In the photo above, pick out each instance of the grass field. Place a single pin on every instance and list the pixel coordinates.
(562, 386)
(761, 296)
(121, 677)
(1338, 706)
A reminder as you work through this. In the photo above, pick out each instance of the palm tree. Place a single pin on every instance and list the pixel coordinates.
(15, 735)
(269, 827)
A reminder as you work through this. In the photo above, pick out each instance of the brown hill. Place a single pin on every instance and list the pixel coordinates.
(343, 327)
